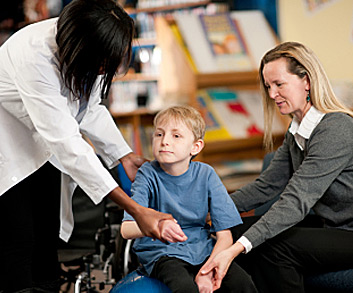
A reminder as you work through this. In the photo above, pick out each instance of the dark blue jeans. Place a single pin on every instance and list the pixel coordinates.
(29, 225)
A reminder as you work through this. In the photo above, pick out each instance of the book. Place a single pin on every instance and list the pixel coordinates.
(226, 43)
(233, 183)
(146, 134)
(182, 44)
(240, 167)
(215, 128)
(127, 131)
(257, 32)
(248, 35)
(233, 114)
(236, 174)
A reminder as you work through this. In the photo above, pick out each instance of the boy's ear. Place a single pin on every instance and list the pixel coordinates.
(197, 147)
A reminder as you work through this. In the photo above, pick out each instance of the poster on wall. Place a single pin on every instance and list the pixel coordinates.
(313, 6)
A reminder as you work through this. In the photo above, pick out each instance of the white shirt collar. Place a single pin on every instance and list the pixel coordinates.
(302, 130)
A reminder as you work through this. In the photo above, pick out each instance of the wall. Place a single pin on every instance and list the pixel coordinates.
(328, 31)
(268, 7)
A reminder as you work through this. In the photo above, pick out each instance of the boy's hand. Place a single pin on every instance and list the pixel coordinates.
(204, 282)
(171, 231)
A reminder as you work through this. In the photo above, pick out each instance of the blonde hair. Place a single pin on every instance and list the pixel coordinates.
(302, 62)
(187, 114)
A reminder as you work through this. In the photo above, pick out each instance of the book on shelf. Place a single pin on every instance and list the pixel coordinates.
(235, 182)
(127, 131)
(146, 134)
(140, 140)
(236, 174)
(225, 42)
(233, 114)
(233, 41)
(128, 96)
(257, 32)
(146, 11)
(239, 167)
(182, 44)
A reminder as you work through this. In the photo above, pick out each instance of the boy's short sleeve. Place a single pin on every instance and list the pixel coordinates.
(140, 192)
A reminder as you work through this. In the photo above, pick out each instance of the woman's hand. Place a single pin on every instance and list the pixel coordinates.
(131, 162)
(149, 222)
(147, 219)
(171, 231)
(219, 265)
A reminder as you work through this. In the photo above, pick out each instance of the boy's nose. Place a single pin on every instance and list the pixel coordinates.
(165, 140)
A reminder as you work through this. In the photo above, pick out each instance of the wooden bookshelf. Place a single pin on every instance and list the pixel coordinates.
(240, 80)
(136, 77)
(179, 79)
(137, 119)
(178, 82)
(144, 116)
(170, 7)
(236, 149)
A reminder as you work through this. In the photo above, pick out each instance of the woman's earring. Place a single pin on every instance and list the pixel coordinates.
(308, 97)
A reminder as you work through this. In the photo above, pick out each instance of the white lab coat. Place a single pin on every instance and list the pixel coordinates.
(37, 122)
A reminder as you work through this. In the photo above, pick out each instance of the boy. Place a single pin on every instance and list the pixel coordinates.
(188, 190)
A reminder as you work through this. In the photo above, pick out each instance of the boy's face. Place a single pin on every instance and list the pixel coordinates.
(173, 146)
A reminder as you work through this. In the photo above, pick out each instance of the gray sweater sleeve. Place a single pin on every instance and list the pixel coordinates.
(268, 185)
(327, 154)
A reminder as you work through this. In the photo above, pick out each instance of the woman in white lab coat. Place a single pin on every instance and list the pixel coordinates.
(53, 75)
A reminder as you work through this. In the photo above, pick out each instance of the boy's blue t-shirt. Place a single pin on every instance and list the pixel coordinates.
(188, 197)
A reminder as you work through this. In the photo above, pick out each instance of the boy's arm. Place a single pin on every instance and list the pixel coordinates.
(170, 231)
(130, 230)
(206, 282)
(224, 240)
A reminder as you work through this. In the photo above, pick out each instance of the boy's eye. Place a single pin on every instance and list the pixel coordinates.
(158, 134)
(177, 135)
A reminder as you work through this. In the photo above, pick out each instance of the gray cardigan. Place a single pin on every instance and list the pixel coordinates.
(320, 177)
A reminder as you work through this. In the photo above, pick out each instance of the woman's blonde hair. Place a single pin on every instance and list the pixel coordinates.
(302, 62)
(187, 114)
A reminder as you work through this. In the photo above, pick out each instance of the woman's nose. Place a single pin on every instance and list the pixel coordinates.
(272, 93)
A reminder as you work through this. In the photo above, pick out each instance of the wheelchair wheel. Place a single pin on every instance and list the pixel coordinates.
(125, 261)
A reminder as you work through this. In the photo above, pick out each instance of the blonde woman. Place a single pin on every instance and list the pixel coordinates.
(312, 170)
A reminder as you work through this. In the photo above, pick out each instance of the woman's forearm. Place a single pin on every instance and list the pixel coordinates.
(236, 249)
(124, 201)
(147, 219)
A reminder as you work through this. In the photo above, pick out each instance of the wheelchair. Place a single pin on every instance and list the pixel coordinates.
(96, 246)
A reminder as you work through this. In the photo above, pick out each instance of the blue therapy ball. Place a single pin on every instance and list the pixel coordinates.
(135, 282)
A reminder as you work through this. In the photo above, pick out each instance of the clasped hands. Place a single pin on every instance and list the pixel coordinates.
(210, 276)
